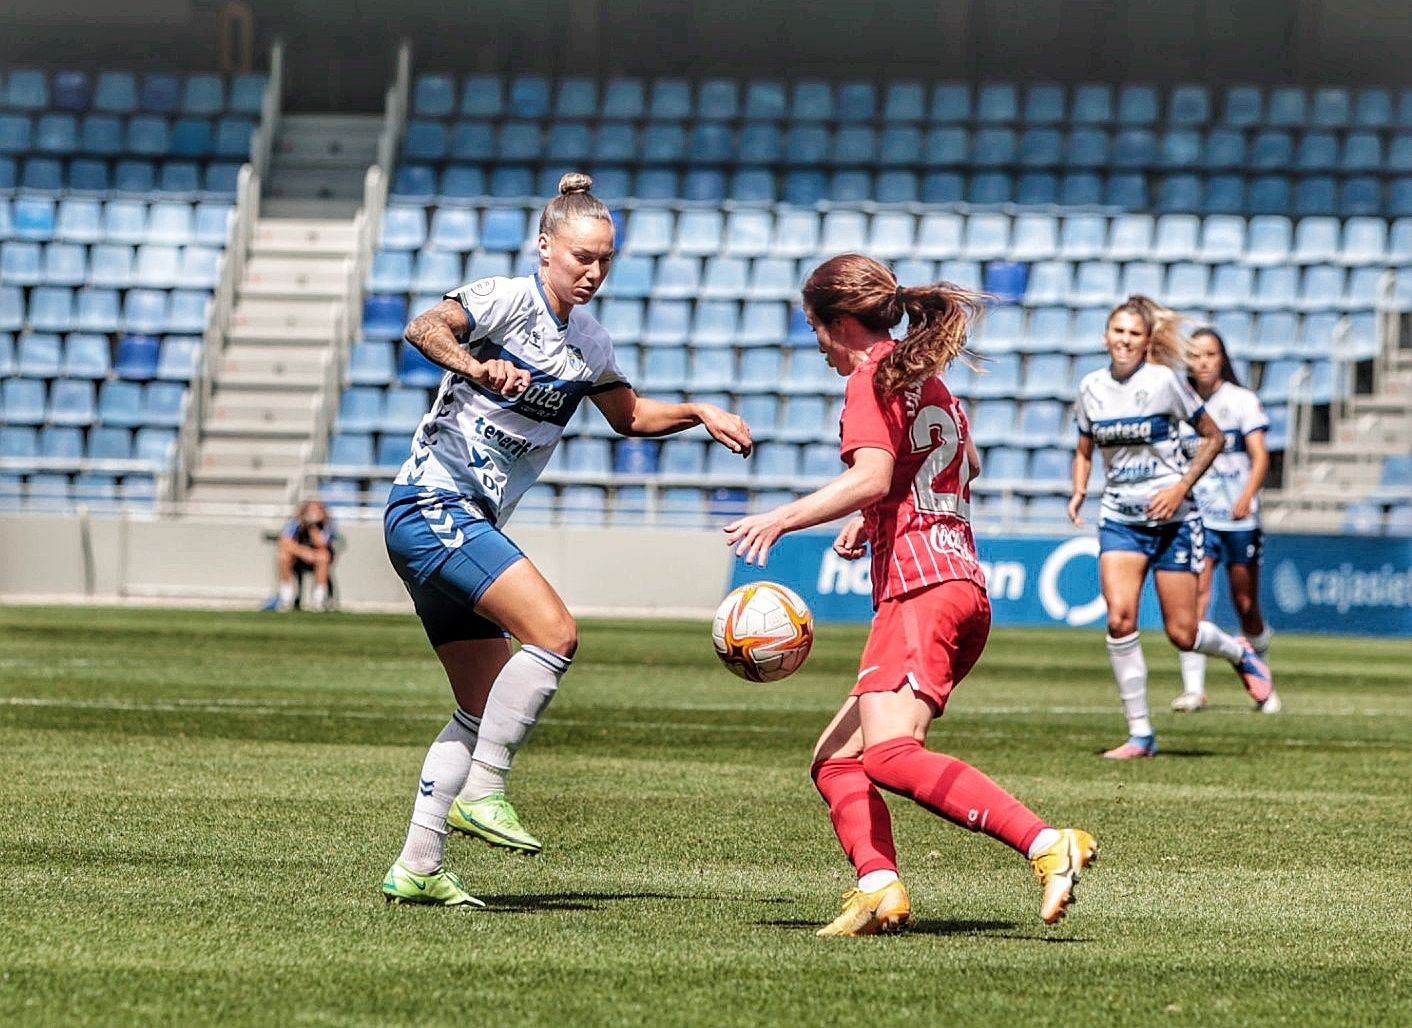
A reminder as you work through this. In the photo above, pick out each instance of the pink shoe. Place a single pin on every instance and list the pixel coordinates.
(1253, 673)
(1136, 746)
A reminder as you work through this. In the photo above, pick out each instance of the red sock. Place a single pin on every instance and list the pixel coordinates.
(859, 815)
(953, 789)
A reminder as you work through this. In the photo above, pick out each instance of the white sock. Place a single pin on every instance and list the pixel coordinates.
(320, 597)
(1046, 838)
(875, 880)
(443, 774)
(1216, 643)
(517, 701)
(1130, 670)
(1261, 643)
(287, 592)
(1193, 672)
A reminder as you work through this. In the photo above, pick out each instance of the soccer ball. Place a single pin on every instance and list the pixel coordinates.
(763, 631)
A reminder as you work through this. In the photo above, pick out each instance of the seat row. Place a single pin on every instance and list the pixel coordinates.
(86, 176)
(139, 311)
(111, 265)
(86, 220)
(141, 135)
(73, 446)
(93, 355)
(122, 92)
(77, 403)
(902, 146)
(811, 100)
(1221, 193)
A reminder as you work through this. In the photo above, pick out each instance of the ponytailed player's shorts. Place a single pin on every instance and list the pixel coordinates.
(1175, 546)
(926, 641)
(447, 554)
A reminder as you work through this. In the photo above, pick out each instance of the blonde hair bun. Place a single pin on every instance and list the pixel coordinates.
(575, 182)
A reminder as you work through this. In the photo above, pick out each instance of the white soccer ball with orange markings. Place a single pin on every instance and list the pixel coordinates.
(762, 631)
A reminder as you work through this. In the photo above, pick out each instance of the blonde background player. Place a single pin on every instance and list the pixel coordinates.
(1131, 411)
(520, 356)
(1228, 498)
(910, 461)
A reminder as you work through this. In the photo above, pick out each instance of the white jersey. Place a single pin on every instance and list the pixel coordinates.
(483, 446)
(1237, 412)
(1135, 423)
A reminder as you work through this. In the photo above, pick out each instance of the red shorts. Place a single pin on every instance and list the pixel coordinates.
(927, 640)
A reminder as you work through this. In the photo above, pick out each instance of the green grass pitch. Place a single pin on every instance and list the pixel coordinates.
(196, 810)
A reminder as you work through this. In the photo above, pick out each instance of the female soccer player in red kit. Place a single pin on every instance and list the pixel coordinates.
(910, 461)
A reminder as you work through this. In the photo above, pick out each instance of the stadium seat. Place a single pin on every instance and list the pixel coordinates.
(70, 91)
(38, 355)
(987, 237)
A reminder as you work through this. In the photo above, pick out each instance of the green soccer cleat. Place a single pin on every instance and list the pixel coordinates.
(441, 888)
(492, 820)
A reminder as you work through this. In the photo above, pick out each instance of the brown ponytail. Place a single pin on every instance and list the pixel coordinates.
(939, 315)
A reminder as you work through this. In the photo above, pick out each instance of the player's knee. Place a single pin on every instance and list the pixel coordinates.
(1183, 637)
(1121, 624)
(561, 636)
(886, 763)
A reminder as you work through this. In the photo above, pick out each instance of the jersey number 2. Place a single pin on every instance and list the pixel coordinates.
(934, 490)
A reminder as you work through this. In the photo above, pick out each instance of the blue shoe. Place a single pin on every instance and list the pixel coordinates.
(1136, 746)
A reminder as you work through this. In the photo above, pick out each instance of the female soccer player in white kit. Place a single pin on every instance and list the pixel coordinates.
(1131, 410)
(1228, 498)
(519, 358)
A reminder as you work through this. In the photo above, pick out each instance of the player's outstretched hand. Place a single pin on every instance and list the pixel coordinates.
(851, 543)
(505, 377)
(1075, 502)
(730, 430)
(752, 536)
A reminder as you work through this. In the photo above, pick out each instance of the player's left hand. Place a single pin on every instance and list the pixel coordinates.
(1241, 508)
(730, 430)
(752, 536)
(1162, 504)
(851, 543)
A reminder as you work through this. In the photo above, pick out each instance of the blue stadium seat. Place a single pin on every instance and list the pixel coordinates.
(904, 102)
(1189, 104)
(32, 218)
(191, 137)
(169, 223)
(1330, 108)
(529, 97)
(472, 141)
(100, 134)
(436, 272)
(97, 310)
(56, 134)
(20, 263)
(1001, 329)
(116, 92)
(1360, 195)
(86, 355)
(27, 90)
(1318, 151)
(726, 278)
(850, 187)
(670, 100)
(165, 405)
(951, 103)
(70, 91)
(993, 147)
(753, 185)
(403, 409)
(1137, 104)
(384, 316)
(137, 357)
(61, 442)
(413, 369)
(51, 309)
(42, 175)
(160, 93)
(145, 312)
(503, 229)
(1362, 151)
(134, 178)
(845, 231)
(1322, 287)
(857, 101)
(391, 272)
(1286, 107)
(677, 276)
(854, 145)
(1316, 240)
(1269, 194)
(699, 232)
(111, 266)
(38, 355)
(704, 185)
(765, 101)
(203, 94)
(1225, 150)
(16, 133)
(23, 401)
(1093, 104)
(667, 322)
(764, 323)
(453, 229)
(997, 102)
(1372, 109)
(946, 146)
(990, 187)
(458, 182)
(424, 141)
(1041, 148)
(434, 96)
(106, 442)
(120, 404)
(662, 143)
(157, 266)
(148, 135)
(519, 141)
(87, 175)
(714, 323)
(1365, 240)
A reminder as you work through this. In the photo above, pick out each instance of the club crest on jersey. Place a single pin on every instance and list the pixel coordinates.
(1141, 397)
(483, 287)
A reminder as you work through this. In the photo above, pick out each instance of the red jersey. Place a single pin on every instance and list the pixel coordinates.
(920, 532)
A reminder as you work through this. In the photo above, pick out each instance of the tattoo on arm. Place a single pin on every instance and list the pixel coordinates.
(436, 333)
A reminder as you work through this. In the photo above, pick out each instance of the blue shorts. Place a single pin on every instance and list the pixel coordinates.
(447, 555)
(1244, 546)
(1175, 546)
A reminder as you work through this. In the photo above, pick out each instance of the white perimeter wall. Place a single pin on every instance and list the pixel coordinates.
(229, 562)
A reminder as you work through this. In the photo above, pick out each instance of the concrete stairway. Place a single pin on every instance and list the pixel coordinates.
(280, 370)
(1366, 429)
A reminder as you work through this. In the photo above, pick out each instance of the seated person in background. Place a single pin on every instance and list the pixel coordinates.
(306, 544)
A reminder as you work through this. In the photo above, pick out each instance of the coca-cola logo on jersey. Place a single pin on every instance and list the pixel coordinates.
(947, 539)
